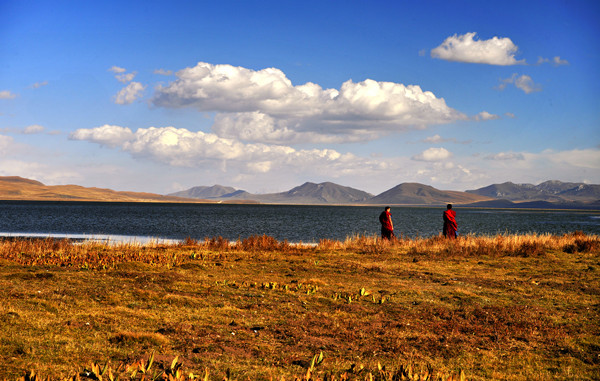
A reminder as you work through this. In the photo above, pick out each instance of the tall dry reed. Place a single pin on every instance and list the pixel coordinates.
(105, 255)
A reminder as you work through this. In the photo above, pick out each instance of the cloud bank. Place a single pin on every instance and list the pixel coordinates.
(265, 106)
(260, 116)
(183, 148)
(257, 164)
(465, 48)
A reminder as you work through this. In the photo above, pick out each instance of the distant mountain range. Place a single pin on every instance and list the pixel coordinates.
(307, 193)
(548, 195)
(552, 191)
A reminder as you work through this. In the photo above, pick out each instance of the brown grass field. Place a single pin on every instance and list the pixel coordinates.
(478, 308)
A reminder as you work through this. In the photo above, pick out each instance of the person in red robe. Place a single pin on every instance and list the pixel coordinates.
(387, 227)
(450, 225)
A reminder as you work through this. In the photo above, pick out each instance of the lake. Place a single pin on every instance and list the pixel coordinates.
(294, 223)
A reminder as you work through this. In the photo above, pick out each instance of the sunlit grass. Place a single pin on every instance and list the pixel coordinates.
(500, 307)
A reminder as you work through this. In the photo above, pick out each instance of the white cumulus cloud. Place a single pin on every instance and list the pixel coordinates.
(258, 127)
(433, 154)
(37, 85)
(129, 93)
(435, 139)
(163, 72)
(265, 106)
(125, 77)
(117, 69)
(6, 94)
(556, 61)
(120, 74)
(33, 129)
(523, 82)
(484, 115)
(107, 135)
(466, 48)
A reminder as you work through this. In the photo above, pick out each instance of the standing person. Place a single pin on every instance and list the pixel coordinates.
(450, 225)
(387, 227)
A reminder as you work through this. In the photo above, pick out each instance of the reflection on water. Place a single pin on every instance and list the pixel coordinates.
(283, 222)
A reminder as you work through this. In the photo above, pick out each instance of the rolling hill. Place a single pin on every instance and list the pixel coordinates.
(419, 194)
(323, 193)
(18, 188)
(307, 193)
(215, 191)
(330, 193)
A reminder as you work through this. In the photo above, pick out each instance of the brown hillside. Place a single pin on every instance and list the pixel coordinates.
(19, 180)
(18, 188)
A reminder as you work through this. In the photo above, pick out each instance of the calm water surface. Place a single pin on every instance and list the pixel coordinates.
(283, 222)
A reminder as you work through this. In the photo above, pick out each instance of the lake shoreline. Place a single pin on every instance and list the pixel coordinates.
(567, 207)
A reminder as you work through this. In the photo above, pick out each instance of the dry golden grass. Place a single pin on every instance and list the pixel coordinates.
(18, 188)
(502, 307)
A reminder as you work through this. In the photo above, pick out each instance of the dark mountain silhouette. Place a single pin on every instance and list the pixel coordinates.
(420, 194)
(552, 191)
(205, 192)
(307, 193)
(311, 193)
(327, 192)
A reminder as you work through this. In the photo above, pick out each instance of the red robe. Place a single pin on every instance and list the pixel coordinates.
(450, 226)
(387, 228)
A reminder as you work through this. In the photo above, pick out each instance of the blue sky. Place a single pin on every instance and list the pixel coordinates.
(266, 95)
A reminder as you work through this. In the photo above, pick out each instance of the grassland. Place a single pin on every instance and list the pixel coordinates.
(503, 307)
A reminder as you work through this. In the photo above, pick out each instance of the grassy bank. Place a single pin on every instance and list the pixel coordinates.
(504, 307)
